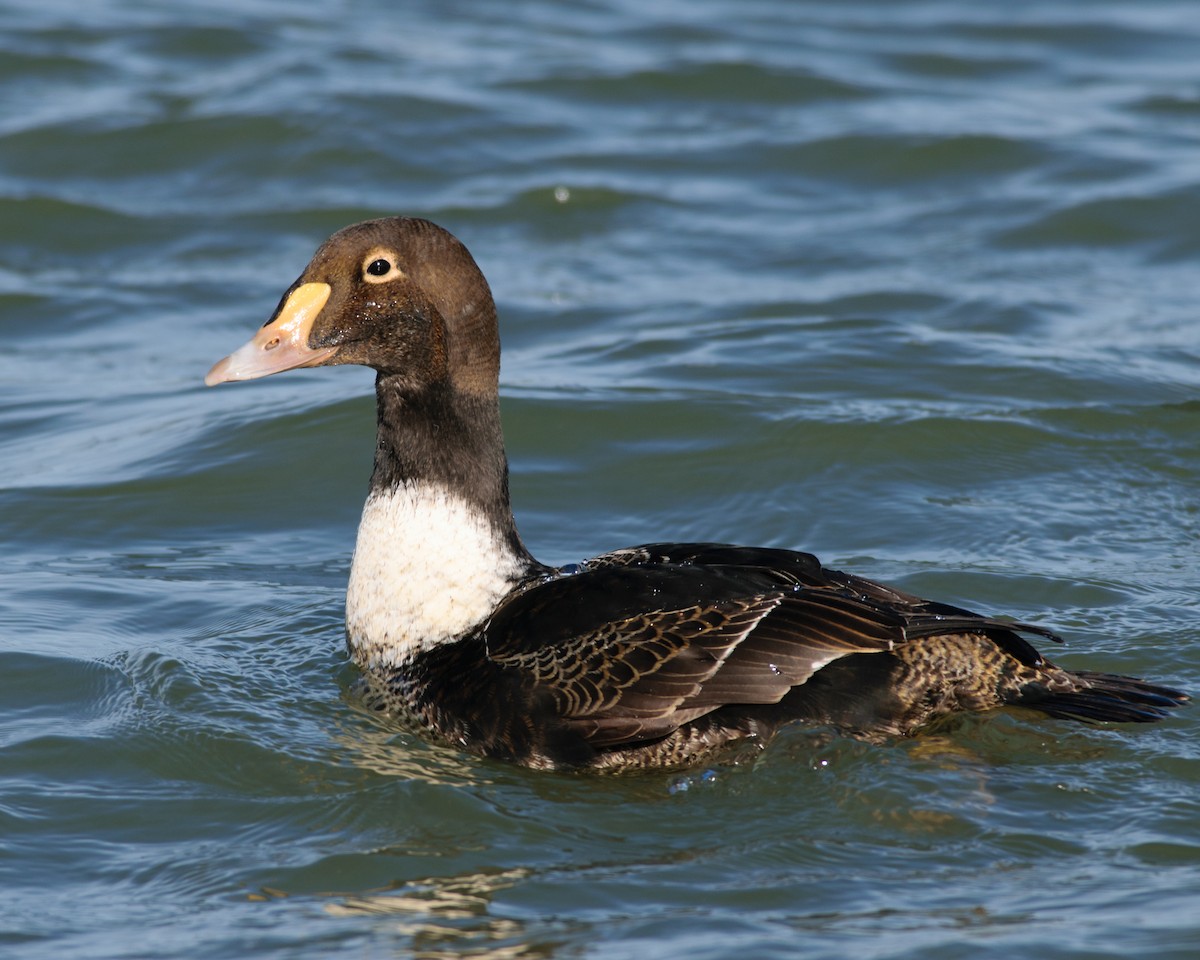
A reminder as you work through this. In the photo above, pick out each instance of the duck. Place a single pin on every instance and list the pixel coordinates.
(657, 656)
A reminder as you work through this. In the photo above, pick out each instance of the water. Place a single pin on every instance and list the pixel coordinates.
(909, 285)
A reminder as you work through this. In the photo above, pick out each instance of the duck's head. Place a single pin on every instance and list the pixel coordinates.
(400, 295)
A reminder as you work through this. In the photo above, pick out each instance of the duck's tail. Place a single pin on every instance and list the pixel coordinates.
(1109, 697)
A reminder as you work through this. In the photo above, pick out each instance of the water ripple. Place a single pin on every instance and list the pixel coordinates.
(910, 285)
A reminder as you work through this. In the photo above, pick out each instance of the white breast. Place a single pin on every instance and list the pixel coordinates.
(428, 566)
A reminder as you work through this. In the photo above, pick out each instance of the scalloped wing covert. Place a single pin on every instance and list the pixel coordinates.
(633, 677)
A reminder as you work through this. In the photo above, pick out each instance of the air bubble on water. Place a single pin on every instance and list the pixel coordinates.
(562, 194)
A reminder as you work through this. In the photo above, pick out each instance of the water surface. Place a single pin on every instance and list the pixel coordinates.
(912, 286)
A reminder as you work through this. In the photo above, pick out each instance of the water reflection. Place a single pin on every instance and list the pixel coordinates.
(450, 916)
(383, 745)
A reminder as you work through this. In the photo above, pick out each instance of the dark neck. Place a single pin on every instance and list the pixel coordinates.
(441, 436)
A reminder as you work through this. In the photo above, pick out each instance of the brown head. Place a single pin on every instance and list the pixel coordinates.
(400, 295)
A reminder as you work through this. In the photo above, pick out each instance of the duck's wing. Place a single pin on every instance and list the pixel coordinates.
(627, 653)
(787, 567)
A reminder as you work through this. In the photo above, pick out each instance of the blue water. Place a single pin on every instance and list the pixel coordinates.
(912, 286)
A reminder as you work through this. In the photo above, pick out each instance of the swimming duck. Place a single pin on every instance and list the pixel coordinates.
(652, 656)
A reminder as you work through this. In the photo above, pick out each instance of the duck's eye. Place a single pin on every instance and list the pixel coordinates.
(378, 268)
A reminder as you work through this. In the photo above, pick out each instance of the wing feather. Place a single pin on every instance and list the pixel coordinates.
(634, 677)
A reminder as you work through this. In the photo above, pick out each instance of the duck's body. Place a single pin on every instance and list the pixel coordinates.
(657, 655)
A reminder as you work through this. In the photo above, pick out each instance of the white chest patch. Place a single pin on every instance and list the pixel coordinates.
(427, 567)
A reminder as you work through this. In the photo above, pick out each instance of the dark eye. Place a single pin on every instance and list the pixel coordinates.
(378, 268)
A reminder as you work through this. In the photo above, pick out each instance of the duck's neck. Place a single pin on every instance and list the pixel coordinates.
(437, 545)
